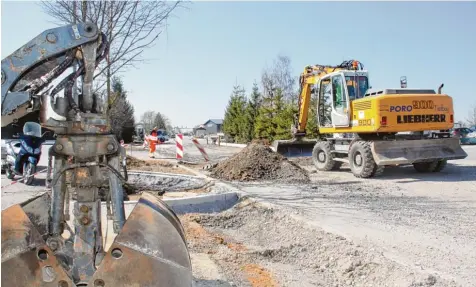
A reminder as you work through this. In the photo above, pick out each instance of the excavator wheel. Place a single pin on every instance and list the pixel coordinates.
(323, 158)
(378, 170)
(361, 160)
(441, 165)
(433, 166)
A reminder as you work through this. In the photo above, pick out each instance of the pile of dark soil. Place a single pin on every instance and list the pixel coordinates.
(259, 162)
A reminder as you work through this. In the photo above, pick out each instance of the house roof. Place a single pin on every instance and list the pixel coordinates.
(215, 121)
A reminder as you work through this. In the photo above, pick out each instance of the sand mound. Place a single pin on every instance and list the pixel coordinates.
(259, 162)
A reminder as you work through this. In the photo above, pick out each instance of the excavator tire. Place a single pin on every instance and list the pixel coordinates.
(441, 165)
(323, 158)
(378, 170)
(433, 166)
(425, 166)
(361, 160)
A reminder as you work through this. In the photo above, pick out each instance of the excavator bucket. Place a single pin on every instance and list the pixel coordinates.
(294, 148)
(150, 250)
(413, 151)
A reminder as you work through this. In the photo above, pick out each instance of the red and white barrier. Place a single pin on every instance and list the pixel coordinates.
(21, 178)
(179, 144)
(201, 149)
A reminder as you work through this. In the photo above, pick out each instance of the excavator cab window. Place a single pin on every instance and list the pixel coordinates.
(356, 86)
(338, 92)
(325, 103)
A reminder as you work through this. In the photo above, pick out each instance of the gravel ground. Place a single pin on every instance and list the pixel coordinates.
(280, 250)
(424, 222)
(401, 229)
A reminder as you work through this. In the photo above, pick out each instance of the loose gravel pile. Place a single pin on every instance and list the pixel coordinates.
(259, 162)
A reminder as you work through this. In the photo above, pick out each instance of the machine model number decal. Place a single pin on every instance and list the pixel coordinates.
(423, 105)
(441, 109)
(365, 122)
(397, 109)
(412, 119)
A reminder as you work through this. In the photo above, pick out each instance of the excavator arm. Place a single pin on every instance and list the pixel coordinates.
(41, 244)
(31, 68)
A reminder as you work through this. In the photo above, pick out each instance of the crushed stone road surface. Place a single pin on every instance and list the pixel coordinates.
(424, 221)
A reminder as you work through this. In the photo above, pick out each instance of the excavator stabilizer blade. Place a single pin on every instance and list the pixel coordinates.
(149, 251)
(26, 259)
(294, 148)
(413, 151)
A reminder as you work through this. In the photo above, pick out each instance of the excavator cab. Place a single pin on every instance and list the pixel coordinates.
(335, 92)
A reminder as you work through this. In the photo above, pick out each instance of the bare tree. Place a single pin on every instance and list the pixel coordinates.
(148, 120)
(131, 28)
(279, 76)
(161, 121)
(472, 116)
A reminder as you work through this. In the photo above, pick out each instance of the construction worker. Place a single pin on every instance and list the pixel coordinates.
(153, 141)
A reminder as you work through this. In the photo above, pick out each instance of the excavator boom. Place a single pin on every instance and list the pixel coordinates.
(42, 244)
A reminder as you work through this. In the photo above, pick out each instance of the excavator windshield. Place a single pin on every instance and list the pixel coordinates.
(357, 86)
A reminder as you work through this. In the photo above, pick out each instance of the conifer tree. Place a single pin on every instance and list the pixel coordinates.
(234, 120)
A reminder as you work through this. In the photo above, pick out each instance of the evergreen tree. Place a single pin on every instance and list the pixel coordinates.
(283, 118)
(251, 113)
(234, 120)
(275, 118)
(161, 121)
(121, 114)
(312, 129)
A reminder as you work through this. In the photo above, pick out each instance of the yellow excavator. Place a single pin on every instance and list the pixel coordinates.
(370, 128)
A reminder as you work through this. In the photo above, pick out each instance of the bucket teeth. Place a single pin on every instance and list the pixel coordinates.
(150, 250)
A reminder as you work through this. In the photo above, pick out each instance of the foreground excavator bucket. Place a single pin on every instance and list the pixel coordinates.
(413, 151)
(294, 148)
(150, 250)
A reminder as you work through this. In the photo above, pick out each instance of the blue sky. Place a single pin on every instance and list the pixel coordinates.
(211, 45)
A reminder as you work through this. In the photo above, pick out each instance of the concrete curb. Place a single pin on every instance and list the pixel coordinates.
(232, 145)
(136, 172)
(208, 203)
(215, 181)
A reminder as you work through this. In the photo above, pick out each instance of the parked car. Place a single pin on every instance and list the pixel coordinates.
(466, 135)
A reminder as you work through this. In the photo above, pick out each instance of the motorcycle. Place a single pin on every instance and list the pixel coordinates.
(28, 147)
